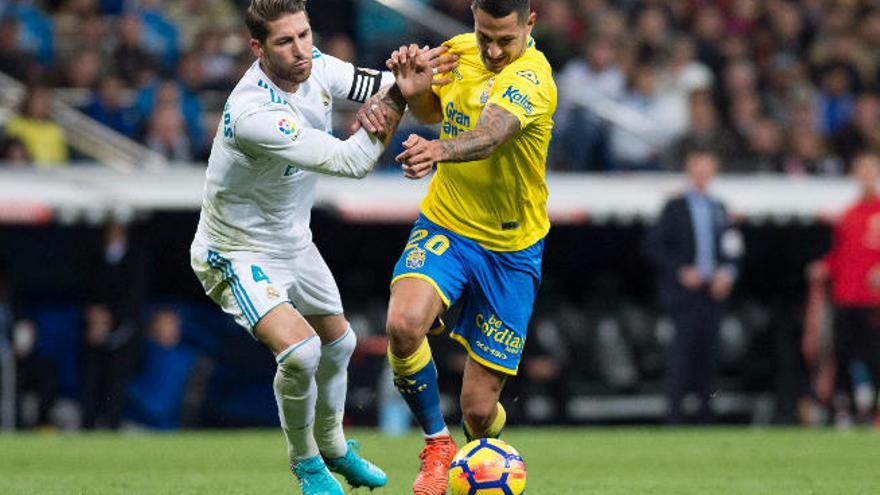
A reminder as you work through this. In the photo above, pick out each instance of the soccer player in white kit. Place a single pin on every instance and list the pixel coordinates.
(253, 250)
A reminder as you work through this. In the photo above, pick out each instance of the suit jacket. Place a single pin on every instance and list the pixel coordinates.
(671, 245)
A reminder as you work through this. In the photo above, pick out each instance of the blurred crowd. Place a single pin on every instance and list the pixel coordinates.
(776, 86)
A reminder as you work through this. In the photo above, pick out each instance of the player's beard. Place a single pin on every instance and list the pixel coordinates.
(290, 73)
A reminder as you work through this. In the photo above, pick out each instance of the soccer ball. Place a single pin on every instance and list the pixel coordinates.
(487, 466)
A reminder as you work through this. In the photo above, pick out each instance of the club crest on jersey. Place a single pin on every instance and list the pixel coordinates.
(415, 259)
(272, 292)
(529, 76)
(325, 98)
(485, 96)
(288, 128)
(518, 98)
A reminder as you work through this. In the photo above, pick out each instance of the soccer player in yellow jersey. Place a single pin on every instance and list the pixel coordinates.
(480, 234)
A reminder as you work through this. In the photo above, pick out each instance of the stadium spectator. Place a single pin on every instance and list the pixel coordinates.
(33, 125)
(36, 31)
(218, 60)
(194, 17)
(114, 290)
(182, 93)
(652, 127)
(763, 148)
(378, 32)
(651, 34)
(708, 29)
(705, 131)
(159, 35)
(554, 33)
(592, 79)
(156, 395)
(166, 134)
(807, 154)
(82, 71)
(13, 153)
(836, 99)
(863, 130)
(107, 105)
(853, 268)
(13, 60)
(683, 74)
(695, 251)
(130, 59)
(81, 28)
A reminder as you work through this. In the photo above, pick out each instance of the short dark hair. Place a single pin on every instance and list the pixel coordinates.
(503, 8)
(262, 12)
(701, 150)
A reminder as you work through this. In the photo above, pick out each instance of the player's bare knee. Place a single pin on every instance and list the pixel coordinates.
(300, 358)
(405, 329)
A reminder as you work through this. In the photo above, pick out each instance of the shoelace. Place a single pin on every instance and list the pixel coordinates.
(443, 447)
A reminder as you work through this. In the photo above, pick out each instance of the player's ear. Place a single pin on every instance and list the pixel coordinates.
(256, 47)
(530, 21)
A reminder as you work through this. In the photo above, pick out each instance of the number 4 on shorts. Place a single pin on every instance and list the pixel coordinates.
(258, 274)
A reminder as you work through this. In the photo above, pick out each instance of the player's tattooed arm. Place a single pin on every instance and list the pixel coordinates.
(495, 126)
(393, 99)
(381, 113)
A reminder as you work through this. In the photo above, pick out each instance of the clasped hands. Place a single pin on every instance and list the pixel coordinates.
(415, 70)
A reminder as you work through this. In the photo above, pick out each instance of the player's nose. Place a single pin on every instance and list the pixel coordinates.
(494, 51)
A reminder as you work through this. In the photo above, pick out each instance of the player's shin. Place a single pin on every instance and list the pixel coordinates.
(332, 381)
(415, 377)
(296, 392)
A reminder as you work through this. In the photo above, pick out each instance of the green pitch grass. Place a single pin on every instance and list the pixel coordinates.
(560, 461)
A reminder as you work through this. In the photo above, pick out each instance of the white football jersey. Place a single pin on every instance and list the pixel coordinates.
(269, 148)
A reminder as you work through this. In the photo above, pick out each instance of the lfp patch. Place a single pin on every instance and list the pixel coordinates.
(287, 127)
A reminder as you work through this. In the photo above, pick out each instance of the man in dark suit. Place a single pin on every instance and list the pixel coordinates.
(695, 250)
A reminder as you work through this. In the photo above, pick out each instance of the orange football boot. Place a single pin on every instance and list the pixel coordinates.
(436, 458)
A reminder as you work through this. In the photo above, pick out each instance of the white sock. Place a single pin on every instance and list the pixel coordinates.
(332, 380)
(442, 433)
(295, 392)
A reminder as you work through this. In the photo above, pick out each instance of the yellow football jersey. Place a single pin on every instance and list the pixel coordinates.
(501, 201)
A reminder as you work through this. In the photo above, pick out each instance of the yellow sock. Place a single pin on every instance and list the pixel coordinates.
(494, 429)
(413, 363)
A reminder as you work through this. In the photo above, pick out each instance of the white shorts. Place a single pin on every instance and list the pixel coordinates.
(248, 285)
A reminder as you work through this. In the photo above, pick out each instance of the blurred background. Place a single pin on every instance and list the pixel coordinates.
(108, 109)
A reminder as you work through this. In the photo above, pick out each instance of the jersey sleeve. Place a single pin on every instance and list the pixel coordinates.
(350, 82)
(522, 91)
(277, 134)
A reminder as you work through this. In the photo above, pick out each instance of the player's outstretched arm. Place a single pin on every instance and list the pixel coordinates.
(276, 134)
(495, 126)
